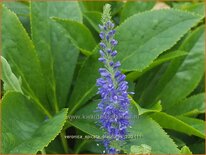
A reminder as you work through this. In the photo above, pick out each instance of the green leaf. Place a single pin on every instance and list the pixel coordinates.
(162, 59)
(145, 82)
(11, 82)
(92, 6)
(131, 8)
(93, 147)
(94, 18)
(191, 106)
(198, 148)
(19, 51)
(60, 56)
(185, 150)
(150, 131)
(187, 70)
(181, 124)
(55, 147)
(40, 32)
(179, 142)
(85, 118)
(80, 35)
(85, 86)
(195, 123)
(21, 9)
(143, 131)
(197, 8)
(25, 129)
(142, 149)
(148, 36)
(98, 6)
(155, 108)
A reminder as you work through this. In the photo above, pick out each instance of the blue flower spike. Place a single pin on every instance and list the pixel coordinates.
(112, 87)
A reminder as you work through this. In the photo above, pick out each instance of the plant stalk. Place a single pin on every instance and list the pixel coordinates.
(64, 142)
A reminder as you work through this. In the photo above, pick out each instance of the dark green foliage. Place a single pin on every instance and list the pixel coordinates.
(50, 66)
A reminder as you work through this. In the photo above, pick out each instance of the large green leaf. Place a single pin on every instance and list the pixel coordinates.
(11, 82)
(191, 106)
(131, 8)
(24, 128)
(181, 76)
(149, 34)
(94, 18)
(80, 35)
(57, 54)
(40, 32)
(145, 81)
(87, 118)
(85, 86)
(19, 51)
(150, 132)
(143, 130)
(162, 59)
(188, 70)
(181, 124)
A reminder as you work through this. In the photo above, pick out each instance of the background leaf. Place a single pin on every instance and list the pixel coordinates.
(151, 131)
(57, 54)
(154, 35)
(79, 35)
(21, 9)
(155, 108)
(131, 8)
(11, 82)
(98, 6)
(187, 70)
(197, 8)
(25, 129)
(160, 60)
(85, 86)
(185, 150)
(180, 125)
(191, 106)
(94, 18)
(19, 51)
(198, 148)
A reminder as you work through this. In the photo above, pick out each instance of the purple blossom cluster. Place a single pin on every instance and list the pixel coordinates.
(112, 87)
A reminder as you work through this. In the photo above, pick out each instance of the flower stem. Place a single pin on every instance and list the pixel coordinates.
(64, 142)
(43, 152)
(80, 146)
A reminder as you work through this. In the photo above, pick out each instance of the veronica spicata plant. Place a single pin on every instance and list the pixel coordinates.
(112, 87)
(50, 71)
